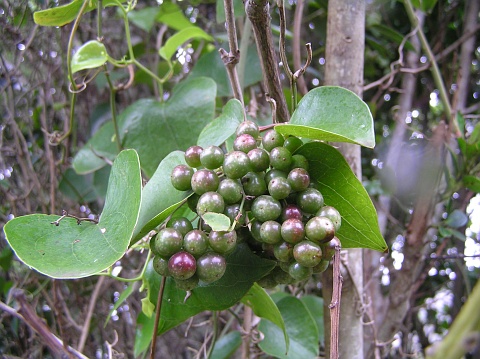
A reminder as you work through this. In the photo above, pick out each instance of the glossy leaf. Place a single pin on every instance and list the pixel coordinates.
(226, 346)
(62, 15)
(314, 305)
(143, 334)
(342, 190)
(177, 40)
(221, 128)
(301, 329)
(332, 113)
(243, 269)
(159, 197)
(264, 307)
(79, 188)
(90, 55)
(218, 221)
(456, 219)
(72, 250)
(144, 18)
(172, 15)
(155, 128)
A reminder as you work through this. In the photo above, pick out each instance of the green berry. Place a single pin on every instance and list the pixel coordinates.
(244, 143)
(248, 127)
(222, 242)
(299, 272)
(255, 230)
(293, 231)
(307, 253)
(167, 242)
(181, 224)
(266, 208)
(211, 267)
(210, 202)
(212, 157)
(283, 251)
(254, 184)
(291, 211)
(292, 143)
(270, 232)
(299, 179)
(204, 181)
(299, 161)
(329, 248)
(310, 200)
(192, 156)
(259, 159)
(236, 165)
(279, 188)
(181, 177)
(232, 211)
(333, 214)
(281, 159)
(320, 229)
(160, 265)
(195, 242)
(321, 267)
(182, 265)
(231, 190)
(187, 284)
(272, 139)
(273, 173)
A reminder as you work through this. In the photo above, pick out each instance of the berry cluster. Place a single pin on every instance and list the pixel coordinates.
(265, 190)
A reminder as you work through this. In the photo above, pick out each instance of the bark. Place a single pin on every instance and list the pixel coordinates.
(344, 67)
(258, 14)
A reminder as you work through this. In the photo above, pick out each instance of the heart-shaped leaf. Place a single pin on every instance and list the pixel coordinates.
(221, 128)
(72, 250)
(342, 190)
(177, 40)
(90, 55)
(160, 198)
(332, 113)
(301, 330)
(155, 128)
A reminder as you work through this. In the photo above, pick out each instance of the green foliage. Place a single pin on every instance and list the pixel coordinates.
(75, 250)
(332, 113)
(226, 346)
(184, 35)
(217, 221)
(341, 189)
(90, 55)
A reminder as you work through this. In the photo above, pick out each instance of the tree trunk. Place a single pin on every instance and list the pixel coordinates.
(344, 67)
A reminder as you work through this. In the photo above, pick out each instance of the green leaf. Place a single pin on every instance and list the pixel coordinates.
(90, 55)
(79, 188)
(221, 128)
(177, 40)
(143, 334)
(332, 113)
(301, 329)
(387, 33)
(155, 128)
(226, 346)
(144, 18)
(456, 219)
(424, 5)
(218, 221)
(72, 250)
(172, 15)
(472, 183)
(62, 15)
(264, 307)
(243, 269)
(159, 197)
(342, 190)
(314, 305)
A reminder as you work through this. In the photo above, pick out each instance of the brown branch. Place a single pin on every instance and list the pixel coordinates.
(258, 13)
(335, 305)
(158, 311)
(297, 29)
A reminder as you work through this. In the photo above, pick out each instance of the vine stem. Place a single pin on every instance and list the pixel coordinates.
(157, 317)
(335, 305)
(437, 77)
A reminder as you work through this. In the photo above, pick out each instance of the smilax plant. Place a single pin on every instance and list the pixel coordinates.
(229, 207)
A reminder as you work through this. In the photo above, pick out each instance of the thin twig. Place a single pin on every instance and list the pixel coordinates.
(158, 310)
(297, 27)
(335, 305)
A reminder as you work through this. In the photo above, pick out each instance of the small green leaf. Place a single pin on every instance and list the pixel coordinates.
(264, 307)
(226, 346)
(332, 113)
(456, 219)
(147, 307)
(314, 305)
(160, 198)
(144, 18)
(72, 250)
(301, 329)
(91, 55)
(243, 269)
(221, 128)
(77, 187)
(172, 15)
(62, 15)
(342, 190)
(472, 183)
(218, 221)
(143, 334)
(177, 40)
